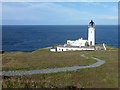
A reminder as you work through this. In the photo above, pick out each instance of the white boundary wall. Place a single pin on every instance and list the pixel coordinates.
(60, 49)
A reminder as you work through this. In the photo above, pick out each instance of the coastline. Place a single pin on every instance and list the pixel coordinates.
(109, 47)
(47, 59)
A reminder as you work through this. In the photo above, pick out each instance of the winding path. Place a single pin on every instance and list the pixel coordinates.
(52, 70)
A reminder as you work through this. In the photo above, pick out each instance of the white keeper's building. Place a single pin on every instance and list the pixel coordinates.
(80, 44)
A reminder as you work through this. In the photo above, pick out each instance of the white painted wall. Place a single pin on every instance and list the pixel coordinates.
(80, 42)
(91, 35)
(60, 49)
(53, 49)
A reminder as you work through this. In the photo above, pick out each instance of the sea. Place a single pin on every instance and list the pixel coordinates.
(27, 38)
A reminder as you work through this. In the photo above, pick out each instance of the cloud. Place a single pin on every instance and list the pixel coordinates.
(60, 0)
(42, 12)
(114, 9)
(0, 13)
(37, 10)
(108, 17)
(99, 4)
(49, 13)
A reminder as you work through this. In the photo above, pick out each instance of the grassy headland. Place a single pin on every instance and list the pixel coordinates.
(105, 76)
(42, 59)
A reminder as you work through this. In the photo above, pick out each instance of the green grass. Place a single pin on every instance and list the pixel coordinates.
(108, 47)
(104, 76)
(43, 49)
(42, 59)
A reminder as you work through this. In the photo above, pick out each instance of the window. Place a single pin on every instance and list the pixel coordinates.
(90, 42)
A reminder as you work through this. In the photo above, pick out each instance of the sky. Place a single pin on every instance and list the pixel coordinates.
(60, 0)
(59, 13)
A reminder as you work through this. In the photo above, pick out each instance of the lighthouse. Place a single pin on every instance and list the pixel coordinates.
(91, 33)
(81, 44)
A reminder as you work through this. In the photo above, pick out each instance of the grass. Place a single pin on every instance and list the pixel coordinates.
(108, 47)
(42, 59)
(105, 76)
(43, 49)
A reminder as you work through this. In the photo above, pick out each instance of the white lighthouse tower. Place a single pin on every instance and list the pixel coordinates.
(91, 33)
(81, 44)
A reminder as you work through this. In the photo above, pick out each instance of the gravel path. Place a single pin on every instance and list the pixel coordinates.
(52, 70)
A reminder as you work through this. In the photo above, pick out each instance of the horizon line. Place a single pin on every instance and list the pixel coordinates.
(53, 24)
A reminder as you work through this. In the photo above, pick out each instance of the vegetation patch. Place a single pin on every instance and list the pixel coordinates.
(42, 59)
(104, 76)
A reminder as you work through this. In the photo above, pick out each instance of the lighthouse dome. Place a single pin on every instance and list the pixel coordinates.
(91, 23)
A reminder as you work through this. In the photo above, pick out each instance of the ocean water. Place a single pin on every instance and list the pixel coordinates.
(27, 38)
